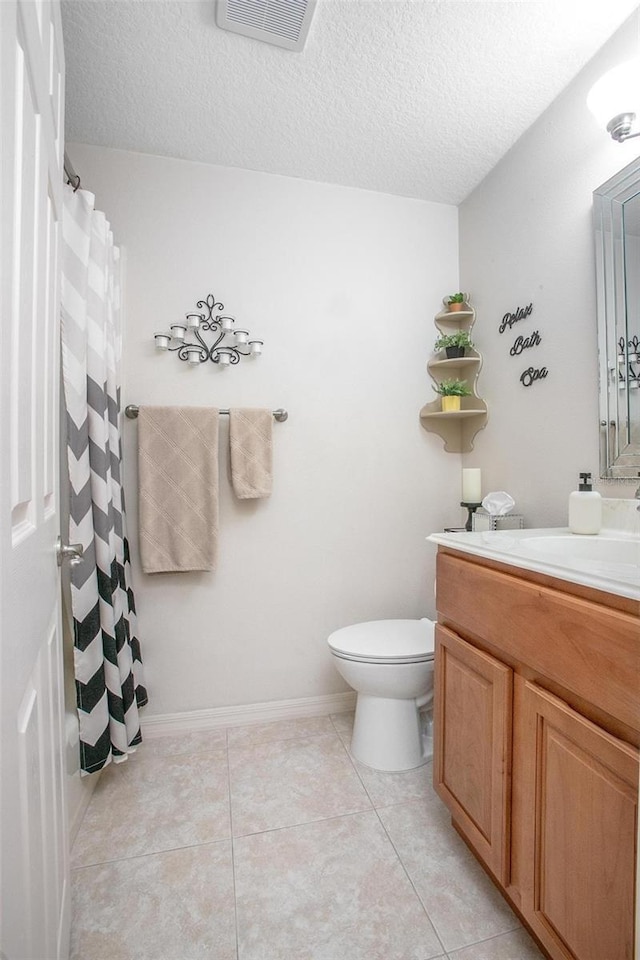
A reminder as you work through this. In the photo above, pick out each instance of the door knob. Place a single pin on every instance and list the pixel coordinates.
(69, 551)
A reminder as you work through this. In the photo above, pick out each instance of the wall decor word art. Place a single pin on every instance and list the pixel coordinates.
(531, 374)
(523, 343)
(510, 318)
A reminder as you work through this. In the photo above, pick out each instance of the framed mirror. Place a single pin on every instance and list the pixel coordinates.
(617, 233)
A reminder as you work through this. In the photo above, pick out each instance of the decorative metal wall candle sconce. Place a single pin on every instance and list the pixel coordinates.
(223, 353)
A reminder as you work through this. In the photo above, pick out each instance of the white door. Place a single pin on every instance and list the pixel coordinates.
(35, 868)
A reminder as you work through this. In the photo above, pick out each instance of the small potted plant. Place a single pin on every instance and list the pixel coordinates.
(450, 392)
(456, 301)
(454, 344)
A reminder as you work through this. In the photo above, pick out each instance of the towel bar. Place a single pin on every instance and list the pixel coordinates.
(131, 411)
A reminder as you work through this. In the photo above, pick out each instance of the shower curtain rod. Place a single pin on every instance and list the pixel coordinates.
(131, 411)
(72, 177)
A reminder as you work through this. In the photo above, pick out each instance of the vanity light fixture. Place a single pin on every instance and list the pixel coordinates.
(227, 349)
(615, 100)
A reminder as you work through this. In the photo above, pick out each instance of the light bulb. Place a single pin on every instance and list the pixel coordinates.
(616, 94)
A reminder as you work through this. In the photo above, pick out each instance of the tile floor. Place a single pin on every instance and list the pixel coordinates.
(271, 843)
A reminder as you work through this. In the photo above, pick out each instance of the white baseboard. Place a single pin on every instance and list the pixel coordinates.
(81, 795)
(196, 720)
(64, 925)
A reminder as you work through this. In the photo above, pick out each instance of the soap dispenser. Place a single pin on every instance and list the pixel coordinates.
(585, 507)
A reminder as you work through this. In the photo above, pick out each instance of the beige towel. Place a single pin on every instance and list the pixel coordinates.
(251, 460)
(178, 488)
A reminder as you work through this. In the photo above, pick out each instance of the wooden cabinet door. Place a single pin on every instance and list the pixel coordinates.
(472, 744)
(579, 804)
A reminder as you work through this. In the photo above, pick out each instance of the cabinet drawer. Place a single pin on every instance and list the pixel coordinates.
(472, 745)
(581, 645)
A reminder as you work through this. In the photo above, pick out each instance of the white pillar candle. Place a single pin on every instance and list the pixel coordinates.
(226, 323)
(256, 346)
(193, 355)
(162, 341)
(224, 359)
(193, 321)
(242, 336)
(471, 486)
(178, 331)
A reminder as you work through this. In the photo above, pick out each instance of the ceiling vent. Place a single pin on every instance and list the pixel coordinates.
(282, 22)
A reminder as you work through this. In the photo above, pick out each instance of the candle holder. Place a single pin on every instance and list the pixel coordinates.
(228, 348)
(471, 509)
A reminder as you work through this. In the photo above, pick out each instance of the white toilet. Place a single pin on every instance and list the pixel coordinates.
(389, 663)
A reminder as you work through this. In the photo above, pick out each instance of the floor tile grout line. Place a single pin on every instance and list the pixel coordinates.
(150, 853)
(353, 764)
(268, 743)
(303, 823)
(381, 806)
(391, 803)
(410, 879)
(229, 745)
(334, 738)
(185, 753)
(424, 906)
(496, 936)
(233, 854)
(333, 724)
(393, 846)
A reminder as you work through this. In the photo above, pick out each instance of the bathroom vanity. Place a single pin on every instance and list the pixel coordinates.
(537, 729)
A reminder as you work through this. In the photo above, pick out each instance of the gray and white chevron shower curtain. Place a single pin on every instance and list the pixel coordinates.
(108, 666)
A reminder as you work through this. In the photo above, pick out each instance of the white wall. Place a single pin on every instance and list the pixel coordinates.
(342, 285)
(526, 235)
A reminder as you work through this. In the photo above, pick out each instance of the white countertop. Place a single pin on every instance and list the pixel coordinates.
(510, 547)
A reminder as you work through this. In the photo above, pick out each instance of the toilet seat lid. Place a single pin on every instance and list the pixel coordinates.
(382, 640)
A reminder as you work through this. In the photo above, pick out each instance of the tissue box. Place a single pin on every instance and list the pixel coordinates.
(485, 521)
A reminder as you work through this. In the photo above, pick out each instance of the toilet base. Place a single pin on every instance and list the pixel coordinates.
(387, 734)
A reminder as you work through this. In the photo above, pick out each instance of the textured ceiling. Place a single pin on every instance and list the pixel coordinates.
(419, 98)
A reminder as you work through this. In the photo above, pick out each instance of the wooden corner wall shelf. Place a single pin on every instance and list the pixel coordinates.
(456, 428)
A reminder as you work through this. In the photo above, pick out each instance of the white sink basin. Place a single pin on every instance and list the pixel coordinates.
(606, 561)
(597, 549)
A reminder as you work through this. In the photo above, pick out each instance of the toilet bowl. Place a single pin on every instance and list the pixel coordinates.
(389, 663)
